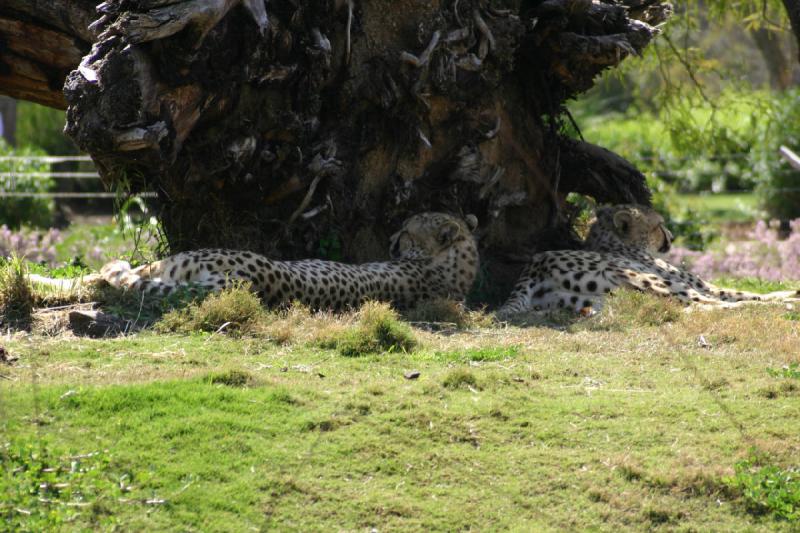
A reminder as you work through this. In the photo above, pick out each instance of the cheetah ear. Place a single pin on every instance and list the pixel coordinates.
(448, 233)
(472, 221)
(622, 221)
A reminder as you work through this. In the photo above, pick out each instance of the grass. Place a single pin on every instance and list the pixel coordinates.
(621, 421)
(791, 371)
(16, 296)
(720, 207)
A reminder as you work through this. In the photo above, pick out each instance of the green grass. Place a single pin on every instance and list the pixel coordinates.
(719, 208)
(615, 423)
(791, 371)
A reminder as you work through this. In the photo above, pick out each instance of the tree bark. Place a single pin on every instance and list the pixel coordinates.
(778, 65)
(313, 128)
(40, 43)
(793, 10)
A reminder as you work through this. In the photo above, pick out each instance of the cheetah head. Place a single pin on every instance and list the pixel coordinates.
(427, 235)
(638, 226)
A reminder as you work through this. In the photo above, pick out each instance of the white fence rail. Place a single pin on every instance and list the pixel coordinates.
(49, 159)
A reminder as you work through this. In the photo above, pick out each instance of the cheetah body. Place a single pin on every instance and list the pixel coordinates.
(618, 252)
(434, 255)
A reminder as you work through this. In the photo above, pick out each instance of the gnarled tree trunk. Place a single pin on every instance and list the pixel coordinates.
(312, 128)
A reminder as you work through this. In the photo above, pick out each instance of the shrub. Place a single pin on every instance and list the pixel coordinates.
(779, 186)
(43, 127)
(16, 212)
(378, 330)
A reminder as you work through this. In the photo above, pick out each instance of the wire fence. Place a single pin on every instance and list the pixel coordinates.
(51, 159)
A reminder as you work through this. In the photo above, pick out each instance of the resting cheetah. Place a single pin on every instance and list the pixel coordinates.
(618, 253)
(433, 255)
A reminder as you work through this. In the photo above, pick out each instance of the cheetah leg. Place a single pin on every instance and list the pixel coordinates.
(118, 274)
(147, 279)
(543, 296)
(561, 299)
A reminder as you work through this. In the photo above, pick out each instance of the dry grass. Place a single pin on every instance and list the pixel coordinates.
(442, 314)
(16, 296)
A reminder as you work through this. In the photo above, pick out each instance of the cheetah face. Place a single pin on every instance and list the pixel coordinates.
(642, 227)
(429, 234)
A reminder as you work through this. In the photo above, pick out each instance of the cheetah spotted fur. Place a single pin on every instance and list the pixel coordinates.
(433, 255)
(619, 252)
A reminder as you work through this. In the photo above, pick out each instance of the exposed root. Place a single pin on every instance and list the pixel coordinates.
(425, 56)
(348, 29)
(487, 38)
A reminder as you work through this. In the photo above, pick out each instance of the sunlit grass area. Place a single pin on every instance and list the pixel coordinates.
(721, 207)
(641, 417)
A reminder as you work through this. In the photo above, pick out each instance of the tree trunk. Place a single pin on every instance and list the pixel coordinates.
(313, 128)
(793, 10)
(778, 65)
(8, 120)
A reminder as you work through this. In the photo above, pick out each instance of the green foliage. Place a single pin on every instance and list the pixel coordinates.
(691, 145)
(15, 212)
(791, 371)
(779, 186)
(16, 297)
(768, 489)
(43, 127)
(330, 247)
(378, 330)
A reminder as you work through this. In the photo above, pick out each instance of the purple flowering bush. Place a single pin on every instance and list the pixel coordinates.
(764, 256)
(35, 246)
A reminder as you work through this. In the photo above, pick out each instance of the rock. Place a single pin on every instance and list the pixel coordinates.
(97, 324)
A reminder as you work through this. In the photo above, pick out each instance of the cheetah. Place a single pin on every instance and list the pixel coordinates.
(432, 255)
(618, 252)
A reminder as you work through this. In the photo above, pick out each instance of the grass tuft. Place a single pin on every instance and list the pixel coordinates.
(628, 307)
(233, 378)
(378, 329)
(234, 309)
(441, 311)
(16, 296)
(460, 379)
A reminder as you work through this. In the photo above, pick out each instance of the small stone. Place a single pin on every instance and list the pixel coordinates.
(413, 374)
(6, 357)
